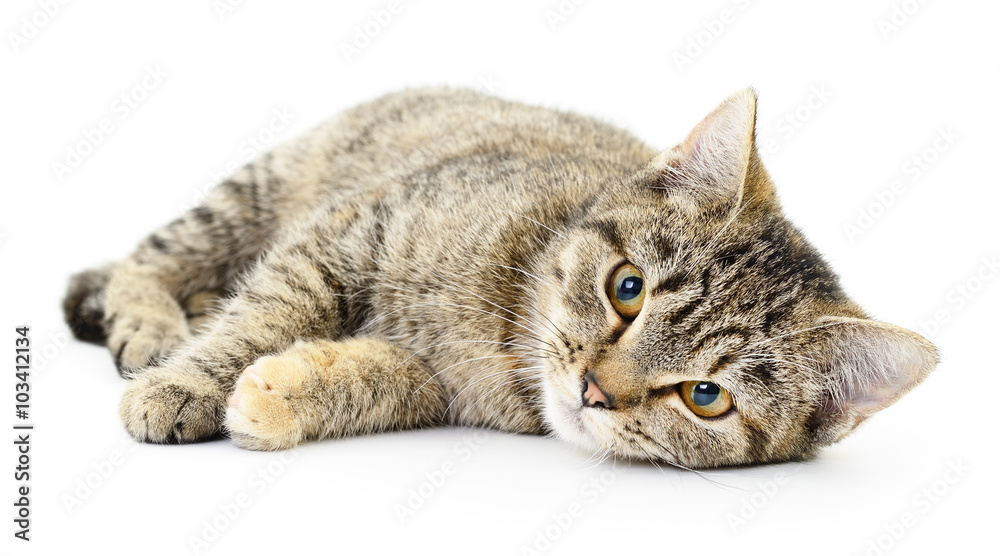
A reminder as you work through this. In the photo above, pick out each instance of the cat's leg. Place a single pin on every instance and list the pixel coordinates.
(323, 389)
(85, 303)
(202, 308)
(303, 288)
(205, 249)
(136, 306)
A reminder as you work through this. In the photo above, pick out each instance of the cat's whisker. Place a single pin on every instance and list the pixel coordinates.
(650, 458)
(608, 454)
(601, 455)
(453, 342)
(802, 366)
(793, 333)
(763, 385)
(510, 370)
(502, 383)
(545, 346)
(525, 272)
(459, 306)
(523, 286)
(553, 327)
(480, 297)
(453, 365)
(671, 460)
(536, 222)
(485, 369)
(478, 403)
(480, 408)
(477, 380)
(787, 355)
(474, 294)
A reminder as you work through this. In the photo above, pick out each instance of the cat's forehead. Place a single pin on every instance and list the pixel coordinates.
(743, 278)
(667, 248)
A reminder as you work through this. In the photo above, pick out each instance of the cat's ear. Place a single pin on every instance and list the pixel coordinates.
(711, 164)
(869, 365)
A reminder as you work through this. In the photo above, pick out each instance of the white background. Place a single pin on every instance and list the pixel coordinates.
(886, 96)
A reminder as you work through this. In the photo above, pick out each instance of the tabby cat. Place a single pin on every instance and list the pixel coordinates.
(441, 256)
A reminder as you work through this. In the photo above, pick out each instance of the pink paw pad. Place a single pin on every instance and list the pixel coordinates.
(252, 373)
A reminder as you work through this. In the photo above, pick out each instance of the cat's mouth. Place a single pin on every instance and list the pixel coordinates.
(568, 415)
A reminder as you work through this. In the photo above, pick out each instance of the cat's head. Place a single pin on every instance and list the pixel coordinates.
(685, 319)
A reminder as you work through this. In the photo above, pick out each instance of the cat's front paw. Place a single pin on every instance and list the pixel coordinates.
(165, 406)
(137, 343)
(260, 415)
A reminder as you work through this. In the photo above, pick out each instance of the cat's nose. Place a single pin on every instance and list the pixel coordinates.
(593, 396)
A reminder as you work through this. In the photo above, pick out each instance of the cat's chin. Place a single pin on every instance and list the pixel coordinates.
(568, 421)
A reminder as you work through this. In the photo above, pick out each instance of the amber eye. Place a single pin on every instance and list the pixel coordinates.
(706, 399)
(627, 290)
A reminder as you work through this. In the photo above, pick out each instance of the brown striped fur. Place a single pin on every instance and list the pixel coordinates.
(440, 256)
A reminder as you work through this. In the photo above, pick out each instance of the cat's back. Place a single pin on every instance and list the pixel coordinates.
(435, 123)
(453, 139)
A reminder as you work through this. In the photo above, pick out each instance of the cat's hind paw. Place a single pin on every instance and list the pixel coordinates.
(260, 414)
(137, 343)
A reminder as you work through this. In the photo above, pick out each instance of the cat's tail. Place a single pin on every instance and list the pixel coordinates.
(83, 306)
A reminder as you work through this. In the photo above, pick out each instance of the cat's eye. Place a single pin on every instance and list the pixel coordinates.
(627, 290)
(706, 399)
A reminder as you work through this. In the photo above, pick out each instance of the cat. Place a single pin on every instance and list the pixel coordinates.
(441, 256)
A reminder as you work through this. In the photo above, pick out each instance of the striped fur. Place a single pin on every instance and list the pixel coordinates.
(440, 256)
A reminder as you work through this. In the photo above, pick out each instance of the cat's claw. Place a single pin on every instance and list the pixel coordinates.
(136, 344)
(259, 416)
(161, 406)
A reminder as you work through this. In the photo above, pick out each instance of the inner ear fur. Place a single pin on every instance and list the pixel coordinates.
(869, 365)
(712, 164)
